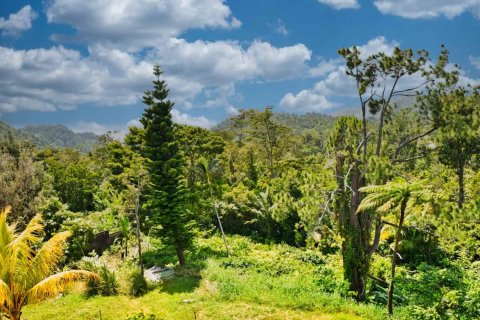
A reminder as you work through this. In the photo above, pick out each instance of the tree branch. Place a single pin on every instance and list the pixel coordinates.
(414, 88)
(383, 282)
(409, 159)
(408, 141)
(409, 227)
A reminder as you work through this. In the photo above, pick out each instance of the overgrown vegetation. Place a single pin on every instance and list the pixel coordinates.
(322, 216)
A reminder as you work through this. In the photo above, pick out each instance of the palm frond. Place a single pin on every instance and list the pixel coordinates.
(57, 283)
(5, 294)
(20, 247)
(46, 258)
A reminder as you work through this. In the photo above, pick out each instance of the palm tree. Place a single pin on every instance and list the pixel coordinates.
(207, 168)
(395, 195)
(27, 276)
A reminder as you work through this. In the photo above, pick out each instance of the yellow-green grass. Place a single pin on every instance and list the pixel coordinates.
(258, 282)
(185, 297)
(170, 306)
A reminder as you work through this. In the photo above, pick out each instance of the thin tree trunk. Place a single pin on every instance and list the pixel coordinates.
(364, 129)
(126, 248)
(380, 132)
(394, 257)
(221, 229)
(461, 185)
(218, 216)
(138, 234)
(180, 256)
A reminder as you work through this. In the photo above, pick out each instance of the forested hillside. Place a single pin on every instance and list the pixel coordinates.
(44, 136)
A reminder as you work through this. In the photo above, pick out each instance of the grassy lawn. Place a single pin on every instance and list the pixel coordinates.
(184, 298)
(257, 282)
(171, 306)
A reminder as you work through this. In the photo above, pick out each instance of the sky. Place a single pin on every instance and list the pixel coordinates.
(86, 64)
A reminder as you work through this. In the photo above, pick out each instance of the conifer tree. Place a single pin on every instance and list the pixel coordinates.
(166, 197)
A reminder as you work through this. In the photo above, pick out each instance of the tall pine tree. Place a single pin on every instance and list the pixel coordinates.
(166, 197)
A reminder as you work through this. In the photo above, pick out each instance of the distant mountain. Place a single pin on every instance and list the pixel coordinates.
(299, 123)
(51, 136)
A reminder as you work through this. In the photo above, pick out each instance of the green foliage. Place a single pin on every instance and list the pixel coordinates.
(108, 284)
(76, 177)
(166, 196)
(144, 316)
(55, 214)
(138, 284)
(51, 136)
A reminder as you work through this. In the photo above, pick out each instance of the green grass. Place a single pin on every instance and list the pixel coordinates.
(258, 282)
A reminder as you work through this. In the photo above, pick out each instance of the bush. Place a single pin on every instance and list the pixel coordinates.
(108, 284)
(145, 316)
(138, 284)
(82, 234)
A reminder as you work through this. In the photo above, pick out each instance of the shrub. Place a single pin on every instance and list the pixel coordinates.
(108, 284)
(145, 316)
(138, 284)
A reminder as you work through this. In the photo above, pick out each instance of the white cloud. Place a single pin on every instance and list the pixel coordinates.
(18, 22)
(226, 61)
(306, 101)
(335, 83)
(279, 27)
(118, 131)
(324, 67)
(183, 118)
(376, 45)
(134, 123)
(414, 9)
(136, 24)
(273, 63)
(91, 126)
(475, 61)
(341, 4)
(59, 78)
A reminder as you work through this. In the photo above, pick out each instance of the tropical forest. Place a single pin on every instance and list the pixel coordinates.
(372, 212)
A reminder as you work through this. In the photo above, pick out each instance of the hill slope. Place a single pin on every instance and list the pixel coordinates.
(51, 136)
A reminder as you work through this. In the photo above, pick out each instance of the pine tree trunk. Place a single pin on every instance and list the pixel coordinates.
(394, 257)
(180, 256)
(138, 233)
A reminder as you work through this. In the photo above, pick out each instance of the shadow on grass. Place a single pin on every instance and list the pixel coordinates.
(180, 284)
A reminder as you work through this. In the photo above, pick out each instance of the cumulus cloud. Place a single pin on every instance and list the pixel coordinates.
(414, 9)
(92, 126)
(341, 4)
(335, 82)
(324, 67)
(60, 78)
(306, 101)
(136, 24)
(18, 22)
(376, 45)
(225, 61)
(475, 61)
(200, 121)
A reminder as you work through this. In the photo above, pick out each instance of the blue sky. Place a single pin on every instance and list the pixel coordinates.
(86, 64)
